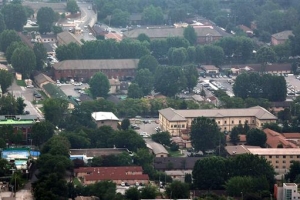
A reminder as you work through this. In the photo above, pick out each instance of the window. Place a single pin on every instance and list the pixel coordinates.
(298, 156)
(252, 121)
(175, 126)
(232, 122)
(277, 156)
(270, 156)
(246, 121)
(262, 124)
(171, 126)
(182, 125)
(291, 156)
(277, 161)
(284, 156)
(240, 121)
(225, 122)
(218, 122)
(276, 167)
(283, 167)
(283, 161)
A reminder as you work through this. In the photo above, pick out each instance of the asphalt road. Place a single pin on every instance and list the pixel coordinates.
(68, 89)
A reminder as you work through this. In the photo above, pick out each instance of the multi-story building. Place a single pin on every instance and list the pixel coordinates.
(84, 69)
(105, 119)
(288, 191)
(178, 122)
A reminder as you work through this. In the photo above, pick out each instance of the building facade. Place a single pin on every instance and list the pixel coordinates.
(105, 119)
(281, 37)
(178, 122)
(80, 70)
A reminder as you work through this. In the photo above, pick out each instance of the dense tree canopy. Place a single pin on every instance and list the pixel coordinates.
(99, 85)
(45, 18)
(6, 79)
(190, 34)
(23, 60)
(72, 6)
(7, 37)
(14, 16)
(144, 78)
(55, 109)
(40, 55)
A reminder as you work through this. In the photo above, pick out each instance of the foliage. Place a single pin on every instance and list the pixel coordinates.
(177, 56)
(273, 126)
(119, 18)
(11, 48)
(256, 137)
(11, 106)
(234, 135)
(134, 91)
(72, 51)
(23, 60)
(57, 145)
(41, 132)
(191, 76)
(205, 134)
(99, 85)
(6, 80)
(149, 192)
(55, 109)
(143, 37)
(213, 55)
(189, 33)
(125, 124)
(148, 62)
(177, 190)
(152, 15)
(132, 193)
(293, 171)
(105, 190)
(162, 138)
(7, 37)
(72, 6)
(40, 55)
(77, 140)
(2, 23)
(144, 78)
(128, 139)
(14, 16)
(45, 18)
(265, 55)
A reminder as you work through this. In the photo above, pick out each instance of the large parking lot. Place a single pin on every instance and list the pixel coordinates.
(68, 89)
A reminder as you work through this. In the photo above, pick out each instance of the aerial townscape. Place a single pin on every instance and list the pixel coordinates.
(149, 99)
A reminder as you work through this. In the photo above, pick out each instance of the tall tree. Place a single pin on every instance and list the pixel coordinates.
(148, 62)
(293, 171)
(213, 54)
(145, 79)
(264, 56)
(177, 190)
(152, 15)
(125, 124)
(45, 18)
(6, 79)
(55, 109)
(234, 135)
(190, 34)
(11, 48)
(7, 37)
(134, 91)
(20, 105)
(163, 138)
(14, 16)
(132, 193)
(119, 18)
(72, 6)
(205, 134)
(41, 132)
(256, 137)
(40, 55)
(23, 60)
(99, 85)
(2, 23)
(191, 75)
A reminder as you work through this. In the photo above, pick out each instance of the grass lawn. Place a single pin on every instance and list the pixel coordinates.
(76, 181)
(174, 153)
(21, 83)
(43, 94)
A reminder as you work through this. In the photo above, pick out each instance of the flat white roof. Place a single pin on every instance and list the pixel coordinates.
(274, 151)
(100, 116)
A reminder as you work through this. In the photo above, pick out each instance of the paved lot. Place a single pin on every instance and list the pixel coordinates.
(295, 84)
(68, 89)
(149, 128)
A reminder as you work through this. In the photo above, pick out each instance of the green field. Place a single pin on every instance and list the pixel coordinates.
(21, 83)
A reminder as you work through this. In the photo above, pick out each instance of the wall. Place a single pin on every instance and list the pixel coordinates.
(112, 123)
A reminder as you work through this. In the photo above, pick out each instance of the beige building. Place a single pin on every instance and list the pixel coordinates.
(105, 119)
(178, 122)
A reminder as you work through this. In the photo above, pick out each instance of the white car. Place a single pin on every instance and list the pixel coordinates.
(78, 84)
(30, 86)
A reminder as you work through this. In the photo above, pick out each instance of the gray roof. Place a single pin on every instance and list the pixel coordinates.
(97, 64)
(284, 35)
(98, 152)
(42, 78)
(48, 46)
(170, 32)
(181, 115)
(66, 37)
(178, 163)
(156, 147)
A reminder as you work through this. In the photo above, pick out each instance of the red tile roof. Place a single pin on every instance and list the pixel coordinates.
(242, 138)
(274, 139)
(109, 169)
(291, 135)
(102, 177)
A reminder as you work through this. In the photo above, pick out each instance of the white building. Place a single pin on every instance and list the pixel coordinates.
(289, 191)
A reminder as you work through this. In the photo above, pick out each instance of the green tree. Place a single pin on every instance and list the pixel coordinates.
(162, 138)
(72, 6)
(134, 91)
(57, 29)
(149, 192)
(45, 19)
(190, 34)
(2, 23)
(177, 190)
(41, 132)
(273, 126)
(105, 190)
(148, 62)
(191, 52)
(177, 56)
(11, 48)
(213, 54)
(6, 79)
(200, 54)
(57, 146)
(144, 78)
(77, 140)
(125, 124)
(128, 139)
(20, 105)
(294, 171)
(29, 11)
(191, 75)
(205, 134)
(14, 16)
(72, 51)
(152, 15)
(210, 173)
(23, 60)
(132, 193)
(7, 37)
(55, 109)
(40, 55)
(256, 137)
(119, 18)
(99, 85)
(143, 37)
(264, 56)
(96, 162)
(234, 135)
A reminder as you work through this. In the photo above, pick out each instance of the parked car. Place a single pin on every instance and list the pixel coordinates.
(30, 86)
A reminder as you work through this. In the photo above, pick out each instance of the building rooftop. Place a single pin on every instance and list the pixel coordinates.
(274, 139)
(273, 151)
(97, 152)
(101, 116)
(109, 169)
(178, 163)
(209, 67)
(97, 64)
(291, 135)
(269, 68)
(284, 35)
(18, 119)
(66, 37)
(238, 149)
(156, 147)
(181, 115)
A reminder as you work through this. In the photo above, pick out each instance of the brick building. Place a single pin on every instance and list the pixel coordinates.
(84, 69)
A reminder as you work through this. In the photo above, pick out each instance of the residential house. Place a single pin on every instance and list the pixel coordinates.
(45, 38)
(205, 35)
(292, 137)
(277, 140)
(113, 36)
(276, 107)
(65, 38)
(246, 30)
(210, 69)
(281, 37)
(88, 154)
(129, 174)
(84, 69)
(157, 149)
(105, 119)
(178, 122)
(114, 86)
(99, 30)
(42, 79)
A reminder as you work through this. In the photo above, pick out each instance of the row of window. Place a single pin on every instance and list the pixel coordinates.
(232, 122)
(298, 156)
(178, 126)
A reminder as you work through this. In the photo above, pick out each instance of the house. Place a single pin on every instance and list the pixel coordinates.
(178, 122)
(113, 36)
(88, 154)
(157, 149)
(84, 69)
(98, 30)
(105, 119)
(281, 37)
(114, 86)
(210, 69)
(129, 174)
(292, 137)
(65, 38)
(246, 30)
(238, 149)
(276, 140)
(42, 79)
(182, 142)
(205, 35)
(45, 38)
(276, 107)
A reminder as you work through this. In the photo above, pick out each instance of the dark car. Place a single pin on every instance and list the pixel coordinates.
(27, 112)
